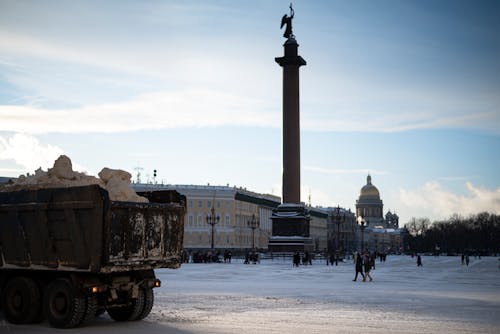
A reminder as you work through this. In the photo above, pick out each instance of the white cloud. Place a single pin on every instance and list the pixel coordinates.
(11, 171)
(357, 105)
(28, 152)
(442, 203)
(318, 196)
(164, 48)
(380, 115)
(162, 110)
(79, 53)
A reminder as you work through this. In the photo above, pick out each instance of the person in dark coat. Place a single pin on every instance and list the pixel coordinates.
(358, 259)
(296, 259)
(419, 261)
(367, 262)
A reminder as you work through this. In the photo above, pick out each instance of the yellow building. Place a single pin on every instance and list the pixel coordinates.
(235, 209)
(318, 229)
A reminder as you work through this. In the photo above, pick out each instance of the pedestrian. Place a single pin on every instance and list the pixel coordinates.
(368, 266)
(467, 260)
(306, 259)
(296, 259)
(419, 261)
(358, 260)
(463, 258)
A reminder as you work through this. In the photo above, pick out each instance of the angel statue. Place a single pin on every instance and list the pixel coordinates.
(288, 21)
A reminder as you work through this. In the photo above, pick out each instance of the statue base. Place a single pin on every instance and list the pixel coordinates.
(290, 229)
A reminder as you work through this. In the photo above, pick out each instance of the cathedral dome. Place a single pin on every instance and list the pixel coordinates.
(369, 190)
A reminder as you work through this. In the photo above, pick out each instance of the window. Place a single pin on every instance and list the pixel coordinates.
(190, 220)
(200, 204)
(190, 204)
(200, 220)
(228, 221)
(218, 204)
(209, 204)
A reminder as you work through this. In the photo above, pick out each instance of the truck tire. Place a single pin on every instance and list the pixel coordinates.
(91, 309)
(148, 303)
(130, 312)
(21, 301)
(64, 307)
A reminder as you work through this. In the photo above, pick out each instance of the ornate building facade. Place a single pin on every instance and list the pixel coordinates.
(341, 230)
(370, 207)
(376, 233)
(235, 207)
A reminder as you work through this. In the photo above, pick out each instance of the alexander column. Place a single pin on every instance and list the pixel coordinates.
(291, 218)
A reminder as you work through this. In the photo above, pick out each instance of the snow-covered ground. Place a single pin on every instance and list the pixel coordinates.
(273, 297)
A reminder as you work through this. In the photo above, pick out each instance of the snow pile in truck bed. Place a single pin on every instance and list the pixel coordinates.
(115, 181)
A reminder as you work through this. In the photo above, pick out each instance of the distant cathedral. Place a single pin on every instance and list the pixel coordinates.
(370, 207)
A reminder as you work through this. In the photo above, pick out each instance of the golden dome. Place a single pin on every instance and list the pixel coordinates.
(369, 190)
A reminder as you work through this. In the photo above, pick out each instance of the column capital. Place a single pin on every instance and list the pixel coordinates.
(291, 56)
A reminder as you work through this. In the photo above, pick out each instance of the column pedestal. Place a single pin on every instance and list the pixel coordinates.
(290, 229)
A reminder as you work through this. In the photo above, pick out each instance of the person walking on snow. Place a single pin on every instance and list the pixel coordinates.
(367, 263)
(358, 260)
(419, 261)
(296, 259)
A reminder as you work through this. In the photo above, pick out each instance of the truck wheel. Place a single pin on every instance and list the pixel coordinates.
(148, 303)
(130, 312)
(64, 307)
(21, 301)
(91, 309)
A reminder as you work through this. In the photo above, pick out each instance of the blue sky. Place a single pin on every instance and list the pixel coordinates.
(405, 90)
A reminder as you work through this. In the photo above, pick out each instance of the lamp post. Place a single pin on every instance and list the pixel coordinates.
(212, 220)
(339, 219)
(253, 223)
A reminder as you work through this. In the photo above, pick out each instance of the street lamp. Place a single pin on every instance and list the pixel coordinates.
(212, 219)
(253, 223)
(339, 219)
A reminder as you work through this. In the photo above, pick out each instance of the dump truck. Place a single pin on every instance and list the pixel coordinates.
(69, 254)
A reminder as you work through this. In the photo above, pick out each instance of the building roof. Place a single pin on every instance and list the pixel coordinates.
(256, 199)
(369, 191)
(317, 213)
(238, 193)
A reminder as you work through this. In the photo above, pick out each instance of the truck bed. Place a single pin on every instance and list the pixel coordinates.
(80, 229)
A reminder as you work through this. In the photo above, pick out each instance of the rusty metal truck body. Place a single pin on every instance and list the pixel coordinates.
(69, 253)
